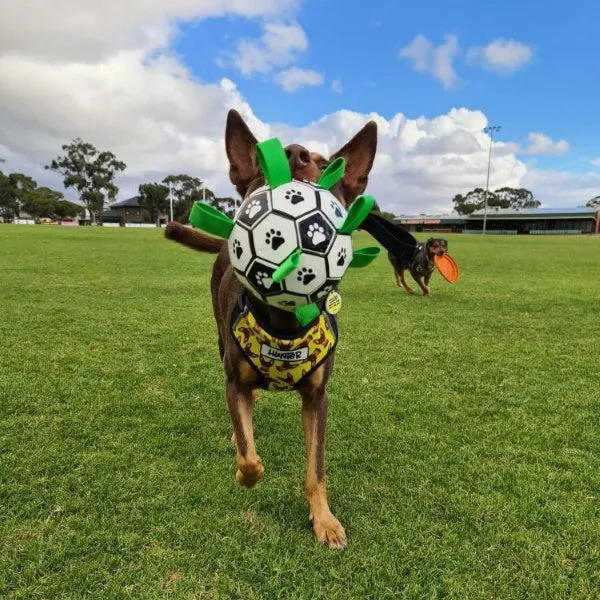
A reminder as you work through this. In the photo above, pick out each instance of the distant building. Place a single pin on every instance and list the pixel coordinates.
(532, 221)
(128, 211)
(432, 223)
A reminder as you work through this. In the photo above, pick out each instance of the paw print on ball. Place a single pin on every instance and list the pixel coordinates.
(260, 278)
(273, 238)
(263, 280)
(237, 249)
(254, 208)
(305, 275)
(295, 199)
(309, 277)
(294, 196)
(339, 256)
(316, 233)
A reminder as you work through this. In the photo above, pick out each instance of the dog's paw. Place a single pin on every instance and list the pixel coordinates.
(329, 531)
(249, 474)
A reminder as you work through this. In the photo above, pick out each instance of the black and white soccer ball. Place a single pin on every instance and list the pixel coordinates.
(271, 224)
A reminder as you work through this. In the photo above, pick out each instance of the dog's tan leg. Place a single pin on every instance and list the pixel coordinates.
(423, 287)
(403, 283)
(426, 282)
(240, 403)
(255, 395)
(326, 527)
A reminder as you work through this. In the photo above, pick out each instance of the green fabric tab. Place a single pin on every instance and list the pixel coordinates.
(307, 314)
(287, 266)
(273, 162)
(357, 213)
(364, 256)
(209, 219)
(333, 173)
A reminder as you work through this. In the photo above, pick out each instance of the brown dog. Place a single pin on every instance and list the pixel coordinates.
(241, 380)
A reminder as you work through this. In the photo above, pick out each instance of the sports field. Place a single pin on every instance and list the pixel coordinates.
(463, 447)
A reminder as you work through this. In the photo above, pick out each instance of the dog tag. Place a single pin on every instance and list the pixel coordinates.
(333, 303)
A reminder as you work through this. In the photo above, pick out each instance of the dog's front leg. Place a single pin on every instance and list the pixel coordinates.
(423, 286)
(326, 527)
(241, 398)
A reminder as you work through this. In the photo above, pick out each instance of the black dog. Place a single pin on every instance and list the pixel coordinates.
(419, 262)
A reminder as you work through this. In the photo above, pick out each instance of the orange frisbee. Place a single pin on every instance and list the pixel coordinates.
(447, 267)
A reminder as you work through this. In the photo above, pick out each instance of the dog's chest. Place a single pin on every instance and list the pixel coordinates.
(283, 363)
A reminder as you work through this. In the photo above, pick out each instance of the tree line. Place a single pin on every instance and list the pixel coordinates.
(91, 173)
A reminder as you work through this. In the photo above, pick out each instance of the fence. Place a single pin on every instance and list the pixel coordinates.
(492, 231)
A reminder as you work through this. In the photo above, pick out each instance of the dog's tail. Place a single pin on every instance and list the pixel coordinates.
(193, 238)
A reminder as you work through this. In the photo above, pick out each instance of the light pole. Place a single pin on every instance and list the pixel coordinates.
(171, 200)
(489, 129)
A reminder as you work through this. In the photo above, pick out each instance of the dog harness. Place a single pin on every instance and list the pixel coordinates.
(422, 262)
(283, 362)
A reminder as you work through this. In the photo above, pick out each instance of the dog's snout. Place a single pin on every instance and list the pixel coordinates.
(298, 156)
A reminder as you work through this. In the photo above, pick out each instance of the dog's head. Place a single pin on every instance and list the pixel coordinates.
(245, 174)
(436, 246)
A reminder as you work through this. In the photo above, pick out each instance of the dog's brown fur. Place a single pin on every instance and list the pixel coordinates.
(241, 381)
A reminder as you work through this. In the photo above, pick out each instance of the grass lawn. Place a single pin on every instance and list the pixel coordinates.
(463, 446)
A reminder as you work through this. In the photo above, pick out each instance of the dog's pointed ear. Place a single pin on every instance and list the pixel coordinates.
(240, 145)
(359, 154)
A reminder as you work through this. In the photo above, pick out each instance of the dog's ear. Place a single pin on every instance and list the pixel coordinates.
(359, 154)
(240, 145)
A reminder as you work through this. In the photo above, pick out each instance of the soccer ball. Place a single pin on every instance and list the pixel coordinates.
(271, 224)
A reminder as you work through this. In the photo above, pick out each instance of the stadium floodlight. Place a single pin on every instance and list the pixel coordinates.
(491, 129)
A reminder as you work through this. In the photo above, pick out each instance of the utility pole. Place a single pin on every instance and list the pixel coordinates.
(489, 129)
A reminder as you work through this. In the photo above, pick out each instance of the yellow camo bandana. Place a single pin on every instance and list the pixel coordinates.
(283, 364)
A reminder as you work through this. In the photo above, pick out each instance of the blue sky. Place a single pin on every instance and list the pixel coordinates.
(358, 44)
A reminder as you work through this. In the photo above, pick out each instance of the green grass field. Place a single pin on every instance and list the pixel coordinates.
(463, 451)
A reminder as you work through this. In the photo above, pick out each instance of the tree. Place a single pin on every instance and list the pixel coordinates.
(64, 208)
(225, 205)
(377, 211)
(41, 202)
(13, 189)
(505, 197)
(90, 171)
(154, 198)
(594, 202)
(187, 190)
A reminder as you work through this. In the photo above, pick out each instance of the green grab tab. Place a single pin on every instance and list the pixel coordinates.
(273, 162)
(209, 219)
(364, 256)
(333, 173)
(357, 213)
(291, 263)
(307, 314)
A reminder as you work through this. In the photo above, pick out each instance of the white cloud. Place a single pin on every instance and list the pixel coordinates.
(419, 51)
(595, 162)
(542, 144)
(279, 45)
(294, 78)
(336, 86)
(436, 60)
(562, 188)
(501, 55)
(443, 58)
(140, 101)
(92, 31)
